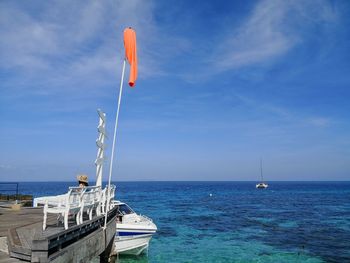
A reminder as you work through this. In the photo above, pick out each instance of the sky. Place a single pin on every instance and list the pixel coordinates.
(221, 85)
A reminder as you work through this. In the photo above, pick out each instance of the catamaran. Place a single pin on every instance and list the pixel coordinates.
(262, 184)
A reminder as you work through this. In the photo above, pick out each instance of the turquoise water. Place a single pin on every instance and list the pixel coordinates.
(288, 222)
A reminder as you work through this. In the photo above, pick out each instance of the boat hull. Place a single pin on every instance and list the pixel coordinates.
(262, 186)
(131, 244)
(133, 232)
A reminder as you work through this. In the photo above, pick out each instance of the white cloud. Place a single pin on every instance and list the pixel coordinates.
(5, 167)
(71, 44)
(81, 41)
(273, 28)
(319, 122)
(283, 115)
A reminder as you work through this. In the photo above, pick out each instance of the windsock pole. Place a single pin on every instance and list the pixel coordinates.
(113, 145)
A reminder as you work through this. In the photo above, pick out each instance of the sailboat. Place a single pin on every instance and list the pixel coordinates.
(262, 184)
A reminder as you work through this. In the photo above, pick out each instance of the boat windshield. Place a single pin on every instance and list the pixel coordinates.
(125, 209)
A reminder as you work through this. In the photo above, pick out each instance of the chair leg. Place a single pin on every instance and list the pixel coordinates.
(90, 213)
(81, 217)
(77, 218)
(45, 218)
(66, 221)
(98, 210)
(102, 208)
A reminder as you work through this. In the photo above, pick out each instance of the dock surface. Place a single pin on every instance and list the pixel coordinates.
(28, 242)
(4, 258)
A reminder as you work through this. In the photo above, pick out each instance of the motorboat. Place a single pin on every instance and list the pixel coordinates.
(134, 231)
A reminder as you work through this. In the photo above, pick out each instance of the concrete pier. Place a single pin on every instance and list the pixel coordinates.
(22, 236)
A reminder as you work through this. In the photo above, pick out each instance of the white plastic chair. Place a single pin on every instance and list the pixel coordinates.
(104, 196)
(71, 204)
(90, 201)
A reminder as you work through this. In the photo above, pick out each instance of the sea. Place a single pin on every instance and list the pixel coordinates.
(234, 221)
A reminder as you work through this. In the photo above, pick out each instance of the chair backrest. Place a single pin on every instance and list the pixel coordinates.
(92, 195)
(112, 192)
(108, 192)
(103, 195)
(74, 197)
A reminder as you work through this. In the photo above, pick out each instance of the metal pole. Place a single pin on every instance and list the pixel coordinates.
(113, 145)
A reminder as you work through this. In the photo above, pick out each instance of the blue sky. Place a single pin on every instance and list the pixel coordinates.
(221, 84)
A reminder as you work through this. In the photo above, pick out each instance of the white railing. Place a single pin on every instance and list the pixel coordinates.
(147, 218)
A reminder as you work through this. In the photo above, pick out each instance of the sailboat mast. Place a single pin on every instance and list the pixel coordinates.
(261, 173)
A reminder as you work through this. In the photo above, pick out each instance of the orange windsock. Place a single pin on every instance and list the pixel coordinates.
(130, 53)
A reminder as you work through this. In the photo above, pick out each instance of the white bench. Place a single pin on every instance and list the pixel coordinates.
(64, 206)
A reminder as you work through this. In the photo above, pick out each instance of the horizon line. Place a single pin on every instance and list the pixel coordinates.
(130, 181)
